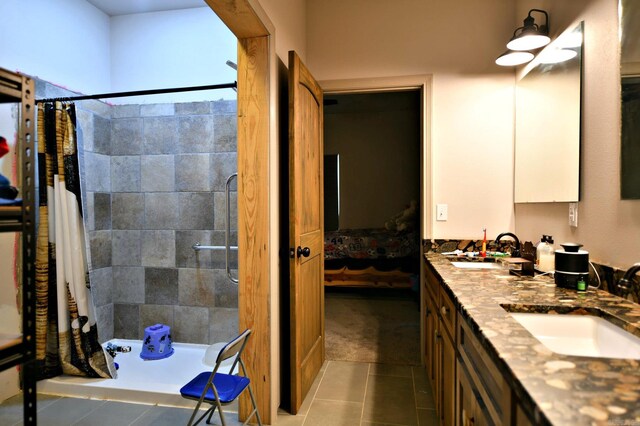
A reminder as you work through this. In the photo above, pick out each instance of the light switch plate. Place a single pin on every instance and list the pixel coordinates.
(442, 212)
(573, 215)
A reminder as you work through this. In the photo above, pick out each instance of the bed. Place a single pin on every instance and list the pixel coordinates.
(371, 258)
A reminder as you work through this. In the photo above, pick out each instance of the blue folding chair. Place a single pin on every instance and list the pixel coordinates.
(220, 389)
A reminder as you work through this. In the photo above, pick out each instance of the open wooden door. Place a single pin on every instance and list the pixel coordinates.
(306, 229)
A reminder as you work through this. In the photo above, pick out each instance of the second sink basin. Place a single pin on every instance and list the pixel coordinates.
(580, 335)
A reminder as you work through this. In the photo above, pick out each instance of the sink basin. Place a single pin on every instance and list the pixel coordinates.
(476, 265)
(580, 335)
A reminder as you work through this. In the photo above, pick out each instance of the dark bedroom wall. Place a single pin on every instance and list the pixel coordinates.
(377, 136)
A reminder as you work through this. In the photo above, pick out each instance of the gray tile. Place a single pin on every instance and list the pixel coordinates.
(196, 287)
(96, 107)
(223, 165)
(224, 107)
(125, 111)
(101, 135)
(192, 172)
(390, 370)
(424, 395)
(225, 128)
(84, 123)
(191, 324)
(126, 136)
(193, 108)
(125, 173)
(390, 400)
(66, 411)
(89, 211)
(115, 413)
(126, 248)
(100, 248)
(101, 286)
(196, 134)
(102, 211)
(11, 410)
(218, 260)
(196, 210)
(126, 320)
(164, 416)
(155, 314)
(159, 249)
(223, 324)
(155, 110)
(344, 381)
(220, 210)
(99, 179)
(226, 292)
(160, 135)
(334, 413)
(157, 173)
(186, 256)
(128, 284)
(427, 417)
(127, 211)
(161, 210)
(161, 286)
(104, 321)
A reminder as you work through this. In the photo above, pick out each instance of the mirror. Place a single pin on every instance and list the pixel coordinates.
(548, 111)
(630, 74)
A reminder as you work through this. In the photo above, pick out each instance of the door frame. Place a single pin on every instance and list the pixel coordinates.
(257, 192)
(424, 83)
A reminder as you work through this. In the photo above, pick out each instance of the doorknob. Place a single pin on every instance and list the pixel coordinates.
(303, 251)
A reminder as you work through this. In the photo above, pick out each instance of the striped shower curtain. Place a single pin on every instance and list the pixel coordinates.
(66, 333)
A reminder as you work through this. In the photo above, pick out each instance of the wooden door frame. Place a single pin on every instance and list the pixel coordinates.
(257, 197)
(424, 83)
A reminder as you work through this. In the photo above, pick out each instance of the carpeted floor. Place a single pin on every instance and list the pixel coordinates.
(369, 325)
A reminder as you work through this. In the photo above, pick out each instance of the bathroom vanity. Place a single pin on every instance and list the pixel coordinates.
(485, 367)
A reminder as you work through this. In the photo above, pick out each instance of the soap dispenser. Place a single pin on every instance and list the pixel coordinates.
(545, 254)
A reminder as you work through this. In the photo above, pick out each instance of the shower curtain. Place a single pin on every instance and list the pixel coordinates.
(66, 333)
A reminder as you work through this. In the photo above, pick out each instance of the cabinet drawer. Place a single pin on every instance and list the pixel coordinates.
(491, 386)
(431, 283)
(448, 313)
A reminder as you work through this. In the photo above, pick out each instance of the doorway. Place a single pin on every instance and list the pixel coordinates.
(372, 225)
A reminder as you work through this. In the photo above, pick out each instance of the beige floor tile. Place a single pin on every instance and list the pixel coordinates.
(304, 408)
(427, 417)
(390, 370)
(334, 413)
(285, 419)
(390, 400)
(424, 395)
(344, 381)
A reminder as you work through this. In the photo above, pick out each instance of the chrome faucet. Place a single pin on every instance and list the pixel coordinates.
(516, 251)
(626, 281)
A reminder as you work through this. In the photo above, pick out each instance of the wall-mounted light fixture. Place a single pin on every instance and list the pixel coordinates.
(530, 36)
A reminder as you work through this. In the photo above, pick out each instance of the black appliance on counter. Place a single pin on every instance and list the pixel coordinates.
(572, 267)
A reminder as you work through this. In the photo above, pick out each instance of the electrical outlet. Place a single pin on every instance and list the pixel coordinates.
(442, 211)
(573, 214)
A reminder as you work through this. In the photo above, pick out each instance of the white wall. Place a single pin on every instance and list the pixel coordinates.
(472, 117)
(9, 318)
(187, 47)
(607, 226)
(65, 42)
(290, 20)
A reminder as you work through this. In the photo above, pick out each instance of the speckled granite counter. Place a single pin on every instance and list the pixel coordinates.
(558, 389)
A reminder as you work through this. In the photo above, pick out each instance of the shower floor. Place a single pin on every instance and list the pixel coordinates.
(155, 382)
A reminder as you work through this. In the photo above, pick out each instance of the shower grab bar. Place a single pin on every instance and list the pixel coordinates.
(227, 228)
(198, 247)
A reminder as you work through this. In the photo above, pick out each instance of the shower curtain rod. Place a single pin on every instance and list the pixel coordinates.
(233, 85)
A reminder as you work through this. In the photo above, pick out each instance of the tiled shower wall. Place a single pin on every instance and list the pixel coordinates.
(154, 178)
(168, 167)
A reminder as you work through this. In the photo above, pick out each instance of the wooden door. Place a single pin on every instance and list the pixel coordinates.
(306, 229)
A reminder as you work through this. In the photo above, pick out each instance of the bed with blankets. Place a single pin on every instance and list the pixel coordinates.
(371, 258)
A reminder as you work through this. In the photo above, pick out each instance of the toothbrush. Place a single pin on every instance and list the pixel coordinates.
(483, 253)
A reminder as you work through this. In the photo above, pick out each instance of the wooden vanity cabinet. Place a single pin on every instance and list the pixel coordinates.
(470, 409)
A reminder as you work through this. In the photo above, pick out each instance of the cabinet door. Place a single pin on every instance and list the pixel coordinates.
(431, 319)
(470, 410)
(448, 379)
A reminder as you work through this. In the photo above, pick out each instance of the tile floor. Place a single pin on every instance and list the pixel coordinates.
(344, 393)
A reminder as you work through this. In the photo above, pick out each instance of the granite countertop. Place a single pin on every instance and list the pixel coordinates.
(558, 389)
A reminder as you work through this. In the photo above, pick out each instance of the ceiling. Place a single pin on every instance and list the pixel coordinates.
(127, 7)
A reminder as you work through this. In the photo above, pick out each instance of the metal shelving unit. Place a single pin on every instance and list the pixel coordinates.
(20, 349)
